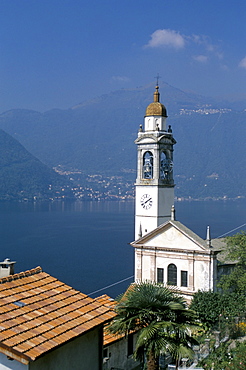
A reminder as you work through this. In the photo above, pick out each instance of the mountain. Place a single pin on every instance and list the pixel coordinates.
(22, 175)
(97, 136)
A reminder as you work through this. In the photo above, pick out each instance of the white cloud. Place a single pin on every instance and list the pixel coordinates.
(166, 37)
(120, 79)
(201, 58)
(200, 45)
(224, 67)
(242, 63)
(204, 41)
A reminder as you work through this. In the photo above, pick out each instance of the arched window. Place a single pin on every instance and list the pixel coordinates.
(172, 274)
(148, 165)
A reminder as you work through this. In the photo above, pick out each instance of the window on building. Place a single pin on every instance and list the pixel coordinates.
(172, 274)
(184, 278)
(160, 275)
(130, 345)
(148, 165)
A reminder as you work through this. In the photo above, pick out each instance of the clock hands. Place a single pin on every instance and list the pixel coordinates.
(146, 201)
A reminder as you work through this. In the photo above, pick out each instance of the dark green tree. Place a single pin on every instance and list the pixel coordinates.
(236, 280)
(212, 307)
(162, 320)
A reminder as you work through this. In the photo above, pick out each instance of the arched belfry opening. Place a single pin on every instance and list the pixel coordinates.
(166, 166)
(148, 165)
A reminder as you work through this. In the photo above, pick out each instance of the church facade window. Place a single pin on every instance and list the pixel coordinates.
(160, 275)
(172, 274)
(148, 165)
(184, 278)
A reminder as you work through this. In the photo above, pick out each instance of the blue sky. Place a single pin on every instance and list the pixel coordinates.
(58, 53)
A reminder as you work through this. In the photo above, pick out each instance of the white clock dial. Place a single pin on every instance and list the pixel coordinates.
(146, 201)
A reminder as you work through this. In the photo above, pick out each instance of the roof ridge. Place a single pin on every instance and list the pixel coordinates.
(190, 233)
(21, 275)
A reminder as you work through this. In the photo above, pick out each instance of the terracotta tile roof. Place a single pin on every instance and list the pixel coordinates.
(108, 338)
(39, 312)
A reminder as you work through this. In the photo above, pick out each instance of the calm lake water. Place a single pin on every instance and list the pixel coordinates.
(86, 244)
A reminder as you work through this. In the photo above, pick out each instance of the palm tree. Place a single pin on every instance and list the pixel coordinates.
(160, 317)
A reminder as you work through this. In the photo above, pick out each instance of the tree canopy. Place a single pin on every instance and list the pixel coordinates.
(236, 280)
(212, 306)
(161, 318)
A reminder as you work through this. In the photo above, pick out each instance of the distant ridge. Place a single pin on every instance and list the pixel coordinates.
(97, 136)
(24, 177)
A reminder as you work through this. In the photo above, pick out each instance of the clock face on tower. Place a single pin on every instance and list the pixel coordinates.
(146, 201)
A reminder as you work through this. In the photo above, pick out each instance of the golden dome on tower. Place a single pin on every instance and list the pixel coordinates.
(156, 108)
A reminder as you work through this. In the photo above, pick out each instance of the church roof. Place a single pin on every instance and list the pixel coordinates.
(39, 313)
(183, 229)
(156, 108)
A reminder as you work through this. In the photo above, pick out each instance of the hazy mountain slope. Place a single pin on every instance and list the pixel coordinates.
(98, 136)
(211, 161)
(22, 175)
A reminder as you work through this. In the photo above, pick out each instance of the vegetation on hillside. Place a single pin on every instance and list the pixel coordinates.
(225, 311)
(228, 356)
(228, 305)
(236, 280)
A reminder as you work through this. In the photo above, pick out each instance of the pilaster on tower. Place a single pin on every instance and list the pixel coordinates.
(154, 183)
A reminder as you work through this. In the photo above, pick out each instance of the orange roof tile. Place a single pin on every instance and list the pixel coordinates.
(39, 312)
(108, 338)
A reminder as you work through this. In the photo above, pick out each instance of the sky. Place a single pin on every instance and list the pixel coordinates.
(59, 53)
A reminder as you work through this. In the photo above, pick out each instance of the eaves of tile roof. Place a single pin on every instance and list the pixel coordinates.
(109, 338)
(39, 313)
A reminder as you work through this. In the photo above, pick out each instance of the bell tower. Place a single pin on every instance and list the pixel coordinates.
(154, 184)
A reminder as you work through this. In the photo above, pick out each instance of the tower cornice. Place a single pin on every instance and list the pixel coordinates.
(156, 137)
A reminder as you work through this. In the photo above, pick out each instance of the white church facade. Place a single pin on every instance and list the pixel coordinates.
(166, 251)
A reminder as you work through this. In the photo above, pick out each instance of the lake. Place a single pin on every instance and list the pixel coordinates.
(86, 244)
